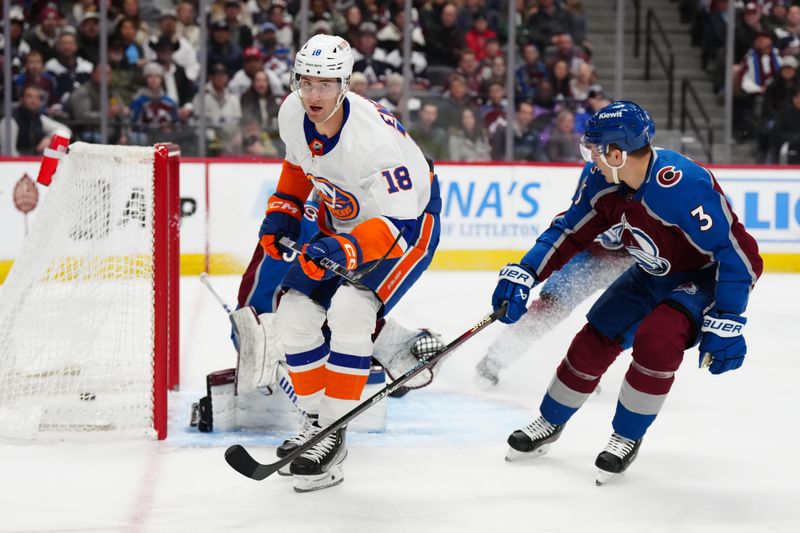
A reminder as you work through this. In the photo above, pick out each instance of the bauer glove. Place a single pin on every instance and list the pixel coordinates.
(342, 249)
(284, 214)
(722, 346)
(514, 287)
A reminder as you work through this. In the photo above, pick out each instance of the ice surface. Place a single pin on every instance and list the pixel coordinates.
(721, 457)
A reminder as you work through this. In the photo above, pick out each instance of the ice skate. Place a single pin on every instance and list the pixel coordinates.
(533, 440)
(487, 373)
(615, 459)
(321, 466)
(309, 428)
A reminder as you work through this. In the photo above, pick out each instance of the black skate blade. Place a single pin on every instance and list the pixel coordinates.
(241, 461)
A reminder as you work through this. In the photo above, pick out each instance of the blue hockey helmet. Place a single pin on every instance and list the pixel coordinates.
(623, 123)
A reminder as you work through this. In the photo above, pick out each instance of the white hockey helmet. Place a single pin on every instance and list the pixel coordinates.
(324, 56)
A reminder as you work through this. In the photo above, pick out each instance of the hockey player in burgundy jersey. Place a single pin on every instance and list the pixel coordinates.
(695, 268)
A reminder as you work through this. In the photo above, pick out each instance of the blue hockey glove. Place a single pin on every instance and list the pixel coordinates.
(514, 287)
(342, 249)
(722, 346)
(284, 214)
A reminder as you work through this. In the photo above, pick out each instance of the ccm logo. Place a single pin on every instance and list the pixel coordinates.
(724, 326)
(351, 254)
(283, 206)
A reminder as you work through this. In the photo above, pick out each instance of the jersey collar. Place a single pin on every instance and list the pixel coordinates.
(651, 167)
(318, 143)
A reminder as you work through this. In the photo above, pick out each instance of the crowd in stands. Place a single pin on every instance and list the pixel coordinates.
(766, 58)
(458, 106)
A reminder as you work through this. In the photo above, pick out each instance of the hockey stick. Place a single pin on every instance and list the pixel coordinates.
(333, 266)
(241, 460)
(283, 376)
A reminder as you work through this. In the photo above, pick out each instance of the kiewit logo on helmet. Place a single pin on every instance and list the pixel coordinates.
(615, 114)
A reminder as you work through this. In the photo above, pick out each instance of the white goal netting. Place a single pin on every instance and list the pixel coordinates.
(76, 311)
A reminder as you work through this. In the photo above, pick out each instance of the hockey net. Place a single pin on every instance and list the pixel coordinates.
(88, 313)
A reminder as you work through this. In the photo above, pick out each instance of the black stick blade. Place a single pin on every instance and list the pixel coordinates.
(243, 462)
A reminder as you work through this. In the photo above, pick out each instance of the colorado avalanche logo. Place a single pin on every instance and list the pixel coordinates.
(611, 239)
(341, 204)
(645, 251)
(688, 288)
(668, 176)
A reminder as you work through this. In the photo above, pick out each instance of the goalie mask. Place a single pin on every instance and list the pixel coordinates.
(323, 56)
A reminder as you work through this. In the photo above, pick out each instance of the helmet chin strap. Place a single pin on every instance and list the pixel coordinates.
(615, 170)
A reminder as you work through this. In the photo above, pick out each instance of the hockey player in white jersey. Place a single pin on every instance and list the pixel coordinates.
(379, 216)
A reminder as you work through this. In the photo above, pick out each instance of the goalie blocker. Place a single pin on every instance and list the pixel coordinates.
(258, 394)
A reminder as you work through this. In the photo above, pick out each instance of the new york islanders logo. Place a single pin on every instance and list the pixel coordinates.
(668, 176)
(645, 250)
(341, 204)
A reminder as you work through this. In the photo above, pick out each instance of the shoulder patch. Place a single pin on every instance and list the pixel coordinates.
(668, 176)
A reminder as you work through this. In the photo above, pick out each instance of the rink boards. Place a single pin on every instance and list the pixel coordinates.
(491, 213)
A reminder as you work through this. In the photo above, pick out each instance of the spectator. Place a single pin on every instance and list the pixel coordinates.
(69, 70)
(583, 82)
(492, 50)
(317, 12)
(30, 129)
(578, 23)
(253, 63)
(267, 39)
(530, 72)
(177, 84)
(19, 47)
(444, 39)
(545, 105)
(359, 83)
(469, 69)
(130, 11)
(89, 37)
(346, 24)
(34, 74)
(748, 27)
(281, 65)
(469, 142)
(788, 35)
(394, 94)
(456, 99)
(777, 97)
(526, 140)
(283, 22)
(126, 33)
(252, 141)
(80, 9)
(390, 39)
(124, 74)
(564, 49)
(83, 107)
(183, 53)
(154, 115)
(259, 102)
(563, 142)
(559, 78)
(369, 59)
(549, 21)
(429, 136)
(787, 129)
(776, 17)
(222, 50)
(259, 11)
(240, 33)
(477, 37)
(186, 26)
(496, 74)
(222, 108)
(42, 37)
(713, 36)
(494, 109)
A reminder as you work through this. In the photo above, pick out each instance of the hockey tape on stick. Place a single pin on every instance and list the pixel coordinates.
(241, 460)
